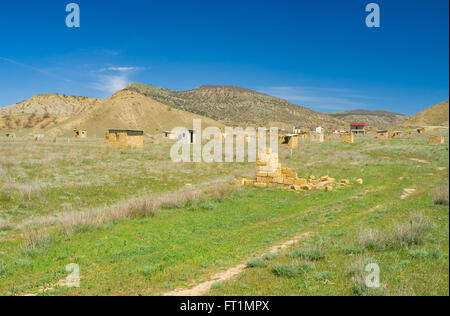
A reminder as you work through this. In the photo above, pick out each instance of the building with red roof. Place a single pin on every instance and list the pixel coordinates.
(358, 128)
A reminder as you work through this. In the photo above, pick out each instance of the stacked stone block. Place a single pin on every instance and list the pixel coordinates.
(269, 173)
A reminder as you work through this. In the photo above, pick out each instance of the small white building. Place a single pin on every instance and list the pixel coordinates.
(170, 135)
(297, 130)
(317, 130)
(188, 136)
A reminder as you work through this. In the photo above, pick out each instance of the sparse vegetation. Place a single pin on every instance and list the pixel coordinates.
(127, 216)
(410, 233)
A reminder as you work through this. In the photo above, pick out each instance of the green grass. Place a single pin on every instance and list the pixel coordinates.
(186, 243)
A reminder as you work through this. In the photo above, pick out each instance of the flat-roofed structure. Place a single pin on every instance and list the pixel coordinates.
(119, 138)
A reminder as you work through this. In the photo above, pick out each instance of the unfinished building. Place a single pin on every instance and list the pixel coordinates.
(290, 141)
(383, 134)
(435, 139)
(118, 138)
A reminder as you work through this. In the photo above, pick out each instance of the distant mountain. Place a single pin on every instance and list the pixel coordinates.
(238, 106)
(378, 119)
(437, 115)
(129, 110)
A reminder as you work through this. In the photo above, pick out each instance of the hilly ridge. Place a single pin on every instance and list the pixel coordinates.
(379, 119)
(155, 109)
(54, 104)
(129, 110)
(437, 115)
(237, 106)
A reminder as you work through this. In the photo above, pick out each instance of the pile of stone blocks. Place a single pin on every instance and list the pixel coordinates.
(270, 173)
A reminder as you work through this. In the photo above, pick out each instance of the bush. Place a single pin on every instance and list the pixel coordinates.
(410, 233)
(36, 238)
(321, 276)
(285, 270)
(440, 195)
(306, 266)
(372, 239)
(270, 256)
(256, 263)
(310, 254)
(422, 253)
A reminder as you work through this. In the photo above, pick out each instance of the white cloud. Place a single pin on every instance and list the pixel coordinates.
(113, 79)
(122, 69)
(111, 84)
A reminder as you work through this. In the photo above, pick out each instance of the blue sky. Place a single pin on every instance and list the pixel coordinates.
(319, 54)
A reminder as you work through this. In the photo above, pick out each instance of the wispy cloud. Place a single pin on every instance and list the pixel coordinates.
(122, 69)
(320, 98)
(33, 68)
(114, 78)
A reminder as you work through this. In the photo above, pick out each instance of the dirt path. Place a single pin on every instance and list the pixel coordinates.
(419, 160)
(60, 283)
(204, 287)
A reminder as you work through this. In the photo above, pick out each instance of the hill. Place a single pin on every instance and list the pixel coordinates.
(378, 119)
(44, 111)
(437, 115)
(53, 104)
(238, 106)
(129, 110)
(15, 122)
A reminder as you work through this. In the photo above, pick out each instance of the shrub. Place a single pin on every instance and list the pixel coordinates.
(372, 239)
(306, 266)
(270, 256)
(321, 276)
(422, 253)
(440, 195)
(310, 254)
(36, 238)
(411, 233)
(256, 263)
(285, 270)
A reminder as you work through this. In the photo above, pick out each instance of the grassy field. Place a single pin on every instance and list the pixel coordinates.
(127, 218)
